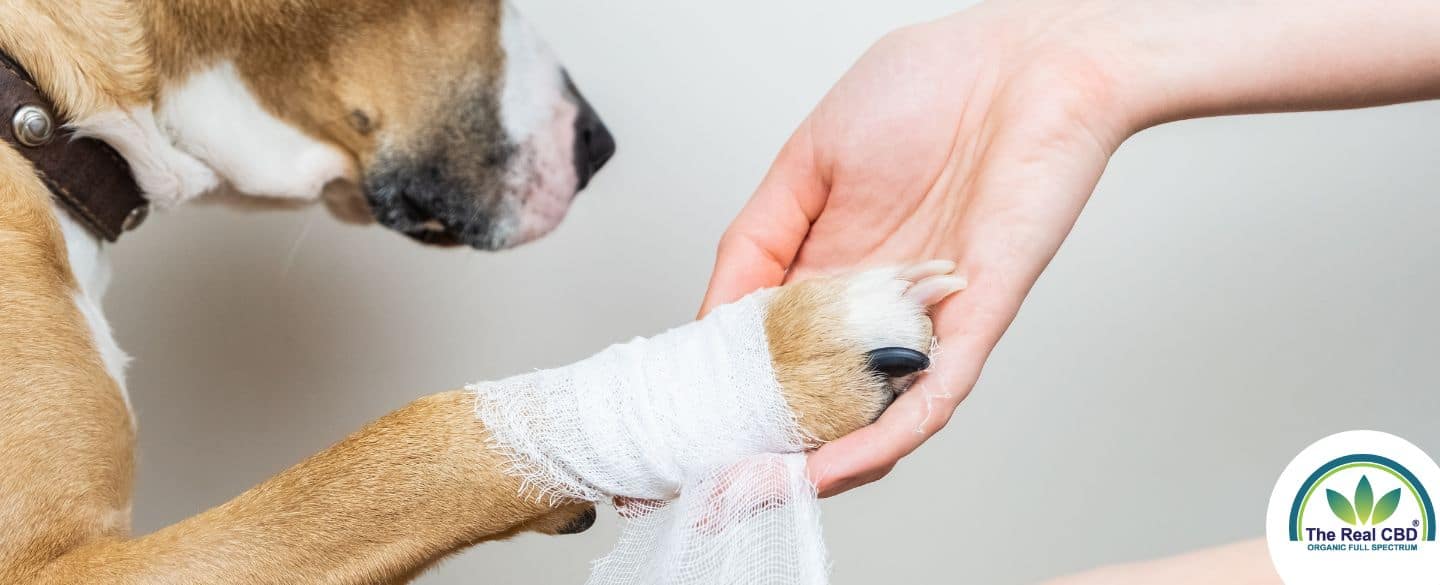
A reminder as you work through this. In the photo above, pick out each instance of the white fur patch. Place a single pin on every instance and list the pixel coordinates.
(539, 117)
(543, 175)
(91, 266)
(215, 117)
(114, 358)
(165, 175)
(533, 82)
(879, 314)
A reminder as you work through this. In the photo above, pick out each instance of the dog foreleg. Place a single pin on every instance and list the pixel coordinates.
(379, 506)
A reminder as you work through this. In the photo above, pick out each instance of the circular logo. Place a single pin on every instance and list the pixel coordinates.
(1353, 508)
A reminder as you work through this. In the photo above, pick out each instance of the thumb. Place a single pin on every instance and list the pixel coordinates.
(757, 249)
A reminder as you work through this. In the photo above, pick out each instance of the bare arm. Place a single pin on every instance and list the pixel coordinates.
(1210, 58)
(980, 137)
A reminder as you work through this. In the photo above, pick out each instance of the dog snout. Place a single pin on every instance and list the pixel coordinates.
(594, 145)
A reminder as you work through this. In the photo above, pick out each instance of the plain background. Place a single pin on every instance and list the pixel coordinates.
(1236, 289)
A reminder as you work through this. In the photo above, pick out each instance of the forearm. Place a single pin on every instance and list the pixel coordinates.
(1167, 60)
(1211, 58)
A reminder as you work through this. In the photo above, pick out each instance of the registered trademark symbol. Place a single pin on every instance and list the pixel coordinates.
(1415, 523)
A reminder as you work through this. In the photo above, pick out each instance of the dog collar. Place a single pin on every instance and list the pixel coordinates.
(84, 174)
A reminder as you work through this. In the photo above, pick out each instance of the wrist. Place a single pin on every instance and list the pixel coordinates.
(1069, 54)
(1176, 59)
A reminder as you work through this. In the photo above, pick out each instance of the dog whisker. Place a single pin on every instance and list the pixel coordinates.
(294, 252)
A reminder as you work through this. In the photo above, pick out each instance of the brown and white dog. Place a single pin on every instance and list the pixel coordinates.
(456, 126)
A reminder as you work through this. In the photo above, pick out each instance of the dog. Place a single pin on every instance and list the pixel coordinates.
(447, 121)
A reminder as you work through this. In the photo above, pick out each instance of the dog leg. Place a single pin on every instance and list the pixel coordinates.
(377, 507)
(424, 481)
(65, 434)
(691, 414)
(407, 489)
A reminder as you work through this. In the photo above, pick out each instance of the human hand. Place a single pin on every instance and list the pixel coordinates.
(979, 137)
(941, 142)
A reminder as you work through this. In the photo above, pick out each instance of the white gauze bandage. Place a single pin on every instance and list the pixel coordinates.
(694, 417)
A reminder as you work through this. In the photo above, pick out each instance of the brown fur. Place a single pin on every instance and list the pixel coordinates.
(409, 90)
(332, 68)
(65, 434)
(824, 376)
(379, 507)
(376, 508)
(385, 503)
(89, 56)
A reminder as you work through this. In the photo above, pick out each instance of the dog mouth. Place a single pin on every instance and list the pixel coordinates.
(414, 221)
(443, 217)
(437, 215)
(434, 233)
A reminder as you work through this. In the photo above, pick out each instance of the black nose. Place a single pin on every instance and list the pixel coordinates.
(593, 143)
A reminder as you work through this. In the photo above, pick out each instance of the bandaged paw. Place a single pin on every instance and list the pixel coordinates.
(711, 417)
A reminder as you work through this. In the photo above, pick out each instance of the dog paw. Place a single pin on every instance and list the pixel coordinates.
(843, 347)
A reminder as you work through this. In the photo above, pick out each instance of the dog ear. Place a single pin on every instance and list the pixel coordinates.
(347, 204)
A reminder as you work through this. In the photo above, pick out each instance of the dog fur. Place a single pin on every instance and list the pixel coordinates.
(379, 507)
(389, 501)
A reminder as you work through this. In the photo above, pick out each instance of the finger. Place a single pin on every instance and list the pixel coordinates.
(760, 245)
(750, 257)
(870, 452)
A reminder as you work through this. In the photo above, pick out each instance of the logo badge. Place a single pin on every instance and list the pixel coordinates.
(1354, 507)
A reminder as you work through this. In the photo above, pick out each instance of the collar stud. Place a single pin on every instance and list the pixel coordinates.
(136, 217)
(33, 126)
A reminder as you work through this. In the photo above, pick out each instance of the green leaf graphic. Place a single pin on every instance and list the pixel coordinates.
(1341, 507)
(1386, 506)
(1364, 500)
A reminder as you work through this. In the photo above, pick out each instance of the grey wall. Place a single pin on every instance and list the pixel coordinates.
(1237, 288)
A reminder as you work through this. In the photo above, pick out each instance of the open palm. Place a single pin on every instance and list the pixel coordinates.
(946, 140)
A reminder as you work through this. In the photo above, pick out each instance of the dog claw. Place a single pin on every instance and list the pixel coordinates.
(923, 270)
(934, 289)
(897, 362)
(580, 524)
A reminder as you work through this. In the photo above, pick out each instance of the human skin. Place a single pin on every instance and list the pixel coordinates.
(980, 136)
(1246, 563)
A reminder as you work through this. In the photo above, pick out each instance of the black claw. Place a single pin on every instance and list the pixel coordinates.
(580, 524)
(897, 361)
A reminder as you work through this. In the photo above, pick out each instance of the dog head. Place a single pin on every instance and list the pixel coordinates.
(449, 121)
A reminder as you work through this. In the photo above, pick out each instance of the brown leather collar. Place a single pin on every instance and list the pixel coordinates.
(85, 174)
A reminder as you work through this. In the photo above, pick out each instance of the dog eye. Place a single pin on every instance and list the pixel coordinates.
(360, 121)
